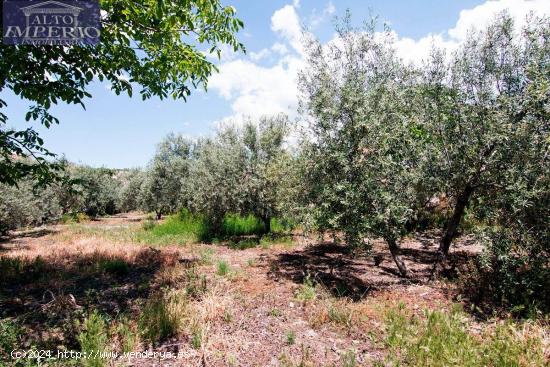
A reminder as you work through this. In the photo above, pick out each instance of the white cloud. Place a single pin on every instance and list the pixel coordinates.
(478, 17)
(277, 48)
(286, 23)
(257, 56)
(255, 90)
(482, 14)
(280, 48)
(414, 51)
(315, 19)
(330, 9)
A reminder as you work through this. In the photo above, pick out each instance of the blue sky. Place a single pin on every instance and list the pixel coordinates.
(121, 132)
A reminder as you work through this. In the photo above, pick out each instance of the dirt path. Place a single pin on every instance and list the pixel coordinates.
(257, 315)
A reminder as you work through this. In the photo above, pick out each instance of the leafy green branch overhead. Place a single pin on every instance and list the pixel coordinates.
(160, 46)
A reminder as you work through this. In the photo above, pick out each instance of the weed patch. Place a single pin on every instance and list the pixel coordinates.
(243, 244)
(9, 338)
(237, 225)
(307, 291)
(290, 337)
(440, 338)
(162, 317)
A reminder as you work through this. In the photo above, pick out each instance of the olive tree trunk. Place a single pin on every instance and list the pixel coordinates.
(395, 253)
(462, 201)
(451, 229)
(266, 219)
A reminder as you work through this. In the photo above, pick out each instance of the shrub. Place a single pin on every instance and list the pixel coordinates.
(148, 225)
(93, 340)
(9, 337)
(508, 276)
(340, 313)
(74, 217)
(281, 225)
(206, 256)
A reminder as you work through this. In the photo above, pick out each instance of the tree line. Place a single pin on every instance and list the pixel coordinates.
(240, 170)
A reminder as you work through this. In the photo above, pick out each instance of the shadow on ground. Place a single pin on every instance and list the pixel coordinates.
(352, 277)
(47, 295)
(325, 263)
(35, 233)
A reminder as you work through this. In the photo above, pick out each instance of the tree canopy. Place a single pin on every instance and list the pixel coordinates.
(385, 138)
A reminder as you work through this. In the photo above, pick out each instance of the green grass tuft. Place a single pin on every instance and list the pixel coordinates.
(128, 338)
(307, 291)
(117, 267)
(237, 225)
(223, 268)
(290, 337)
(162, 317)
(348, 359)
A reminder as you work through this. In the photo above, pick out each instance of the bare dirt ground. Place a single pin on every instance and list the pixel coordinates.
(253, 316)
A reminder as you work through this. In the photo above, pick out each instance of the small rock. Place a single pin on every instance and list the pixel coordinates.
(311, 334)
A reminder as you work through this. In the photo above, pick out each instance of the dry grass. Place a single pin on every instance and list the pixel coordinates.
(339, 312)
(237, 313)
(61, 248)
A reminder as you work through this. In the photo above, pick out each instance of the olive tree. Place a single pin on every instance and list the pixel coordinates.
(364, 140)
(216, 177)
(97, 190)
(486, 110)
(490, 109)
(162, 189)
(28, 204)
(129, 189)
(16, 207)
(265, 166)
